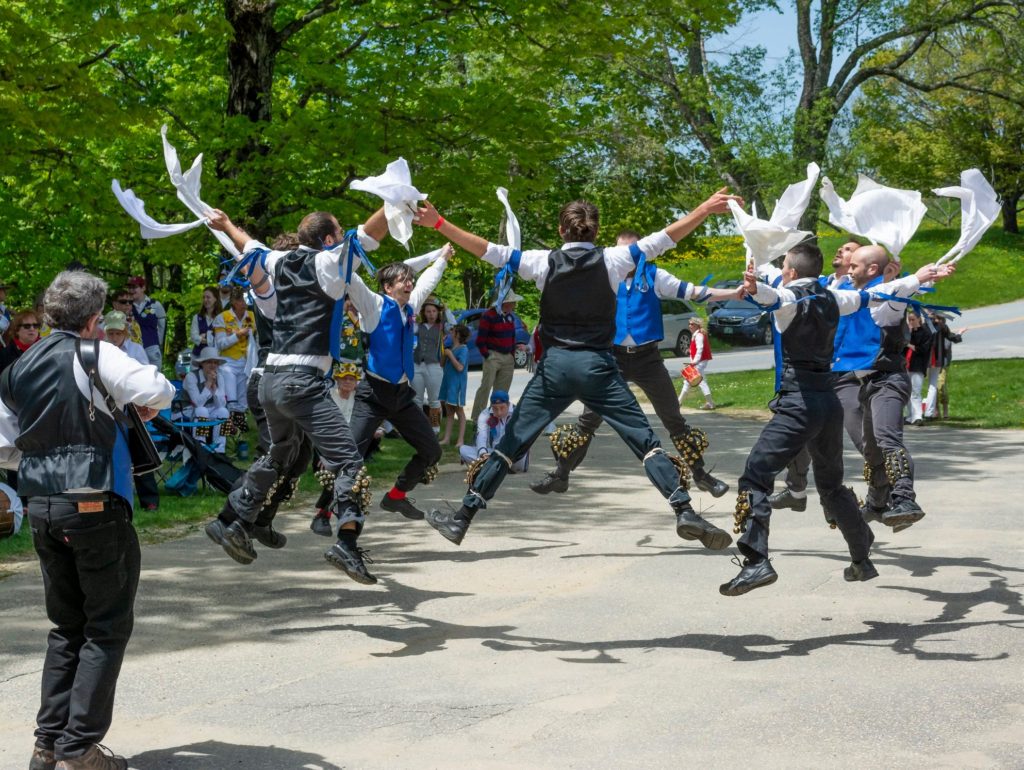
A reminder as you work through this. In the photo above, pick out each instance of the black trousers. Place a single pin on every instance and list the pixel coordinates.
(378, 400)
(847, 388)
(90, 564)
(146, 488)
(645, 367)
(252, 395)
(884, 397)
(300, 412)
(562, 377)
(802, 418)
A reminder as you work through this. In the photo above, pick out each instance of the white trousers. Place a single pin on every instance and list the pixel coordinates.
(914, 412)
(933, 391)
(217, 442)
(704, 388)
(428, 377)
(236, 369)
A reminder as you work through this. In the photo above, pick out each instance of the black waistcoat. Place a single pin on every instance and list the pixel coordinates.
(61, 447)
(577, 306)
(264, 337)
(808, 340)
(302, 324)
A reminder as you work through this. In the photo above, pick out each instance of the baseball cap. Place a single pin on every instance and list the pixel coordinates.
(115, 321)
(499, 397)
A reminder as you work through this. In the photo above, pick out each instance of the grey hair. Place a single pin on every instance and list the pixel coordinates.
(72, 299)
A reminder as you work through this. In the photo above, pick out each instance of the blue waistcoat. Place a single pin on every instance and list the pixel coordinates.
(638, 313)
(390, 354)
(858, 337)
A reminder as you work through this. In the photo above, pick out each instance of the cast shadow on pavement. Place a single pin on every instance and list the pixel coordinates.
(214, 755)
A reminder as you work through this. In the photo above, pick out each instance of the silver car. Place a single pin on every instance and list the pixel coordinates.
(676, 315)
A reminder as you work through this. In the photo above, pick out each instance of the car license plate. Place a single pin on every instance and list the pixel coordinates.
(727, 330)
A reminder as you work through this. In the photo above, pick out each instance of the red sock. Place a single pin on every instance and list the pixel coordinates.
(396, 494)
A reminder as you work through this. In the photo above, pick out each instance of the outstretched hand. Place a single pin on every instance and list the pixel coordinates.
(218, 220)
(749, 283)
(446, 251)
(719, 202)
(426, 215)
(934, 272)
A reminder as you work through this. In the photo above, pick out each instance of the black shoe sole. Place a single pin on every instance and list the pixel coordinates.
(725, 590)
(789, 506)
(416, 515)
(230, 548)
(851, 577)
(365, 578)
(901, 520)
(555, 486)
(713, 540)
(448, 534)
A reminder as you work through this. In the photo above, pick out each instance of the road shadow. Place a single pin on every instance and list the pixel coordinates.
(214, 755)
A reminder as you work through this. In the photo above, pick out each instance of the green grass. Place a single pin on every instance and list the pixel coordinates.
(991, 274)
(176, 512)
(982, 394)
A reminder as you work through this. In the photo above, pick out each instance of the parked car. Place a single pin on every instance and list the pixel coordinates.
(732, 283)
(471, 318)
(675, 316)
(740, 320)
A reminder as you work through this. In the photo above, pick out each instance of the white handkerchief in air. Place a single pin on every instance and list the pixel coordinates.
(149, 227)
(979, 209)
(512, 232)
(793, 203)
(881, 214)
(422, 262)
(395, 188)
(765, 239)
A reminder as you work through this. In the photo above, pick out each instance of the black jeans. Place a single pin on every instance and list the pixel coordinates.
(376, 401)
(847, 388)
(802, 418)
(562, 377)
(90, 564)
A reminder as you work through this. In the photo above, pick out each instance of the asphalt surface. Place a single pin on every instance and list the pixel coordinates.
(577, 631)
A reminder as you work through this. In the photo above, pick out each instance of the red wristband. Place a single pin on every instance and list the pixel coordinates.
(439, 222)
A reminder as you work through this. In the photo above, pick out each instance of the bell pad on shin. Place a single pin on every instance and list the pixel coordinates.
(692, 444)
(897, 465)
(742, 513)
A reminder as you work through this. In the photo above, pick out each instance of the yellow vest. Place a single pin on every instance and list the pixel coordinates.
(232, 326)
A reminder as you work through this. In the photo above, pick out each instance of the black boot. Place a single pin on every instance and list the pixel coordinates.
(452, 524)
(692, 526)
(233, 539)
(752, 575)
(785, 499)
(902, 514)
(269, 536)
(403, 506)
(707, 483)
(349, 558)
(551, 482)
(860, 570)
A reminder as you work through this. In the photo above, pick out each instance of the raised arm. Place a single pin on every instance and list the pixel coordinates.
(427, 216)
(716, 204)
(377, 225)
(218, 220)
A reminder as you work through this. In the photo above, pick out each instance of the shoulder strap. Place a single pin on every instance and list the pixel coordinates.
(89, 358)
(5, 387)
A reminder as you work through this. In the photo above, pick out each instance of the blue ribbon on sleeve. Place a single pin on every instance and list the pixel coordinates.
(504, 277)
(703, 296)
(239, 274)
(915, 305)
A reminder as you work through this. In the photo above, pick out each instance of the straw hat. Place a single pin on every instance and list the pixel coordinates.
(208, 354)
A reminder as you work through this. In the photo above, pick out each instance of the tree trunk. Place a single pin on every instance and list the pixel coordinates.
(1009, 206)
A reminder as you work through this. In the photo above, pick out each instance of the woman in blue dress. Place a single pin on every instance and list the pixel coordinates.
(454, 383)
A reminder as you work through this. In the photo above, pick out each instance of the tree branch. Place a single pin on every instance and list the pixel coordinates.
(322, 8)
(98, 57)
(129, 78)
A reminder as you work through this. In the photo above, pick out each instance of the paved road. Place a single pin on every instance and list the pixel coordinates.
(996, 331)
(577, 631)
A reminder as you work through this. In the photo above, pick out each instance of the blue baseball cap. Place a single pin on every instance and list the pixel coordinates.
(499, 397)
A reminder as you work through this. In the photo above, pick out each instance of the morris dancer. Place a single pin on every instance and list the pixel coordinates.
(807, 412)
(578, 284)
(300, 289)
(638, 329)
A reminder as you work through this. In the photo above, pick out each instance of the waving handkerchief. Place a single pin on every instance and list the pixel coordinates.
(512, 233)
(793, 203)
(979, 209)
(149, 228)
(188, 185)
(395, 188)
(881, 214)
(422, 262)
(765, 239)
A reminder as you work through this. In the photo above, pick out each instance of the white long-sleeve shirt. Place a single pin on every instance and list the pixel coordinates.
(330, 278)
(700, 340)
(126, 380)
(485, 442)
(618, 260)
(201, 395)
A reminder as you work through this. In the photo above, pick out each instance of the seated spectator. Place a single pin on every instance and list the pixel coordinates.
(11, 512)
(490, 428)
(23, 333)
(209, 391)
(115, 329)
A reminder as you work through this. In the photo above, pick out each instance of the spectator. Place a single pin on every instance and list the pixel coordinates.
(234, 334)
(152, 320)
(23, 333)
(209, 391)
(122, 301)
(427, 359)
(44, 330)
(942, 357)
(490, 429)
(115, 330)
(496, 341)
(919, 354)
(455, 383)
(700, 354)
(202, 332)
(11, 512)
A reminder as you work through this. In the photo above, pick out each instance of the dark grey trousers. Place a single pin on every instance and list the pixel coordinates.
(297, 406)
(562, 377)
(847, 388)
(884, 397)
(811, 419)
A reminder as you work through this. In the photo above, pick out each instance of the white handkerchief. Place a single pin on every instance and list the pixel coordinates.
(148, 227)
(881, 214)
(188, 185)
(512, 233)
(979, 209)
(765, 239)
(793, 203)
(422, 262)
(395, 188)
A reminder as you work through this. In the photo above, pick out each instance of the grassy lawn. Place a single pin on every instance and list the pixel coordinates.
(982, 394)
(177, 513)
